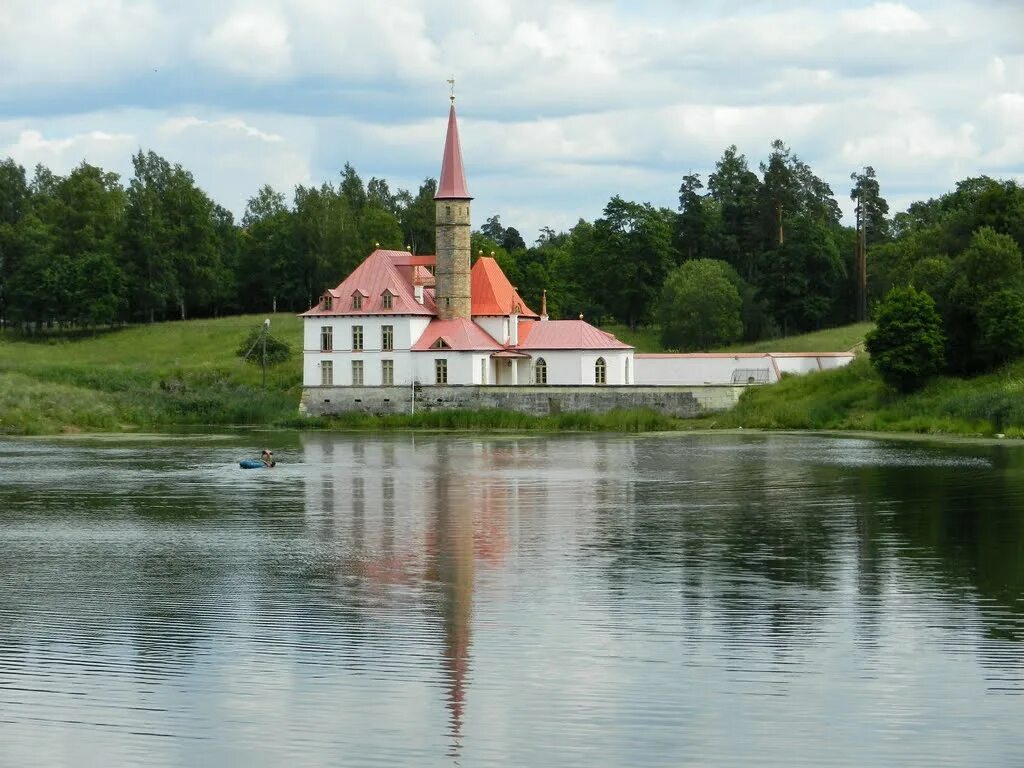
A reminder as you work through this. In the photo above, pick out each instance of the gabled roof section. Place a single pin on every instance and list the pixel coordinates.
(460, 334)
(565, 334)
(492, 293)
(453, 178)
(381, 271)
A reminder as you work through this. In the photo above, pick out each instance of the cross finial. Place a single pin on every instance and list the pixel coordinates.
(451, 88)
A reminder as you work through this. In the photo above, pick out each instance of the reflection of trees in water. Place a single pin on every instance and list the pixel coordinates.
(961, 526)
(724, 527)
(765, 541)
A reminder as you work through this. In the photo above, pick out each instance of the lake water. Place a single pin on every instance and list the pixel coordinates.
(784, 600)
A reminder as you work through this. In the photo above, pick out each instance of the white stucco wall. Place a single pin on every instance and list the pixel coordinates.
(407, 330)
(496, 327)
(571, 366)
(700, 369)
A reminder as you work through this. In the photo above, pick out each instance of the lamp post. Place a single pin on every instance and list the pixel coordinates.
(266, 330)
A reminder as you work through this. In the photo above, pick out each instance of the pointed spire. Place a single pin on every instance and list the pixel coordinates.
(544, 306)
(453, 178)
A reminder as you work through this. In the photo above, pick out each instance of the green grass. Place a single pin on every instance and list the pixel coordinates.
(841, 339)
(632, 420)
(645, 338)
(182, 373)
(854, 398)
(145, 376)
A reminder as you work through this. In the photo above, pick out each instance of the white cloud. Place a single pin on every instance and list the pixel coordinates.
(62, 42)
(250, 43)
(564, 102)
(63, 153)
(886, 19)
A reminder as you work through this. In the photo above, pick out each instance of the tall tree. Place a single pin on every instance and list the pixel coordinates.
(633, 252)
(14, 204)
(736, 189)
(416, 215)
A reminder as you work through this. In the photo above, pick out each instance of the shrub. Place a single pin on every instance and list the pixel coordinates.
(251, 349)
(906, 346)
(700, 306)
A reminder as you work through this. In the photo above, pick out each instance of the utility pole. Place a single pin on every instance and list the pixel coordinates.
(266, 330)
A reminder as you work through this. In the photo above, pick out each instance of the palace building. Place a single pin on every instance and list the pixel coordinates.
(401, 319)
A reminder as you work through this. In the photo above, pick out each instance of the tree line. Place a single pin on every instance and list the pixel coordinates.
(746, 254)
(85, 250)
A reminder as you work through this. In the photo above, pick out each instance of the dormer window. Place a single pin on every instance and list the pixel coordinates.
(387, 300)
(327, 302)
(440, 344)
(357, 301)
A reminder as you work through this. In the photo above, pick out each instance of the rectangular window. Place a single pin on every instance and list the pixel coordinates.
(388, 301)
(326, 339)
(357, 337)
(326, 373)
(327, 302)
(357, 301)
(387, 372)
(441, 371)
(387, 337)
(483, 371)
(357, 373)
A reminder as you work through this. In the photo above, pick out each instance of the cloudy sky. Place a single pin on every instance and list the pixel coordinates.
(561, 104)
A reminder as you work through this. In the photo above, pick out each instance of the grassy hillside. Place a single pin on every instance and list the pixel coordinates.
(841, 339)
(855, 398)
(645, 339)
(846, 337)
(145, 376)
(187, 373)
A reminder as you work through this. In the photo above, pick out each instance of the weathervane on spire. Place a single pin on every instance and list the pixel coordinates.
(451, 88)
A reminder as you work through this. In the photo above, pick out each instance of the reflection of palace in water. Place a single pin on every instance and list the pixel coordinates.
(434, 511)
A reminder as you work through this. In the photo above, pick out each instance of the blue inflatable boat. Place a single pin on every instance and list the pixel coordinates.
(250, 464)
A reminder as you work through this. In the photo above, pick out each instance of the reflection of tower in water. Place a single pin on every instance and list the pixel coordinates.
(450, 566)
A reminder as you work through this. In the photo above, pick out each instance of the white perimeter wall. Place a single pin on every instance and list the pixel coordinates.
(666, 370)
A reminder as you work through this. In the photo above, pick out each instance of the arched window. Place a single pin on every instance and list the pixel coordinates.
(600, 371)
(540, 371)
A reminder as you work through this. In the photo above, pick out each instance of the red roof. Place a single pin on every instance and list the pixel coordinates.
(492, 293)
(381, 271)
(453, 177)
(458, 334)
(565, 334)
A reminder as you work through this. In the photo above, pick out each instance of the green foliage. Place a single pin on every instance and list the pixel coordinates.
(700, 306)
(257, 343)
(990, 263)
(906, 345)
(856, 398)
(1001, 326)
(629, 255)
(631, 420)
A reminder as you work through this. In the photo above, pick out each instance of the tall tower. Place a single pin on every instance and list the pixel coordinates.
(451, 221)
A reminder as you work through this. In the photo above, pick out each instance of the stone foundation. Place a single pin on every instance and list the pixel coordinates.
(681, 402)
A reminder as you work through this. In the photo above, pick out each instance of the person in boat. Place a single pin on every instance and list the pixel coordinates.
(267, 457)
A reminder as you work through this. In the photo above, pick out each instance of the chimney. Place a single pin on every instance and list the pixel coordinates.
(544, 306)
(417, 288)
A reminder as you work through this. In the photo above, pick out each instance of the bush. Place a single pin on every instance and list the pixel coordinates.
(251, 349)
(700, 306)
(1001, 326)
(906, 346)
